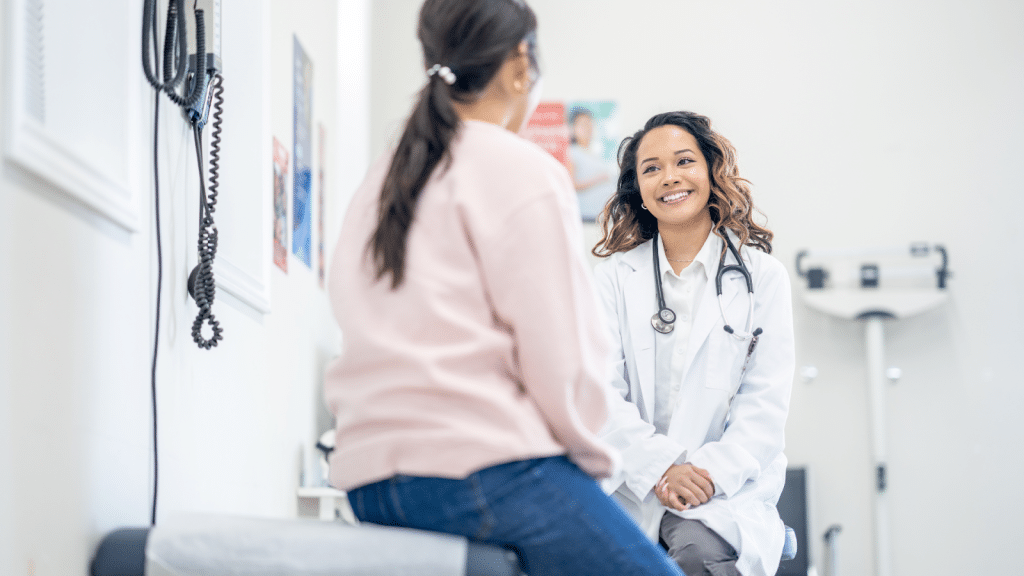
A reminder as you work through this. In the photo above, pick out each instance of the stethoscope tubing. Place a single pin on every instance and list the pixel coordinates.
(742, 269)
(664, 320)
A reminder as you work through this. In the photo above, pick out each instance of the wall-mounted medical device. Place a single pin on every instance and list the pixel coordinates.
(894, 282)
(875, 285)
(209, 62)
(191, 78)
(186, 67)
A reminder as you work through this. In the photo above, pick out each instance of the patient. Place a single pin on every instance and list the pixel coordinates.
(469, 394)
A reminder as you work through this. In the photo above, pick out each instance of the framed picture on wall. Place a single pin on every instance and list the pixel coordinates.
(280, 206)
(302, 169)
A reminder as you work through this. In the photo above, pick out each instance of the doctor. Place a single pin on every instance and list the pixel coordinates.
(701, 411)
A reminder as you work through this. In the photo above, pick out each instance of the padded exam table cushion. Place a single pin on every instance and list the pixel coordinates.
(210, 545)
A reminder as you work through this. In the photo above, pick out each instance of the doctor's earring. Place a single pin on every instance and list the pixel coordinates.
(644, 206)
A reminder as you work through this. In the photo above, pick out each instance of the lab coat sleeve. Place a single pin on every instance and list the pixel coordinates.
(755, 434)
(646, 455)
(541, 291)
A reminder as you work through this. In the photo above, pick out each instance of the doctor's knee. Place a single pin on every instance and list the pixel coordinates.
(697, 549)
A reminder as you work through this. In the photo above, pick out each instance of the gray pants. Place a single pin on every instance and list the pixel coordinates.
(697, 549)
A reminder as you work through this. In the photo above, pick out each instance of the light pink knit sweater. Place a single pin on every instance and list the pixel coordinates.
(492, 349)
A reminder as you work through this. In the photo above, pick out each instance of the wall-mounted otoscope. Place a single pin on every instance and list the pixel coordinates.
(192, 61)
(187, 69)
(210, 61)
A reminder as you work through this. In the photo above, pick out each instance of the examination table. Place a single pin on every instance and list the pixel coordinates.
(209, 545)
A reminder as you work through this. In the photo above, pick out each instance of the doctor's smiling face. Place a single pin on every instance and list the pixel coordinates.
(673, 177)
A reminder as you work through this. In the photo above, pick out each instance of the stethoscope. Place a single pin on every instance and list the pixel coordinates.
(664, 320)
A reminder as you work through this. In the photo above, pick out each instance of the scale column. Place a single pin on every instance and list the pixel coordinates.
(874, 332)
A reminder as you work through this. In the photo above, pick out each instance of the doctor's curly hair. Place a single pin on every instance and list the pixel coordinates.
(625, 225)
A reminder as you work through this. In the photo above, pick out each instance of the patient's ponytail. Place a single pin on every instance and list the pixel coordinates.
(464, 45)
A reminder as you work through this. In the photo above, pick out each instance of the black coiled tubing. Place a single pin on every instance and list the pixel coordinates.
(204, 289)
(175, 52)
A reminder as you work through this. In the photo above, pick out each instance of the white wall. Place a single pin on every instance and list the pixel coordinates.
(77, 303)
(860, 124)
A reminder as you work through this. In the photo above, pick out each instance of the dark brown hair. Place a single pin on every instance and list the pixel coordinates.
(473, 38)
(626, 225)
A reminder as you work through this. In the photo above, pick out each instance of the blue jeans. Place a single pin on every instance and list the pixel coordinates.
(551, 513)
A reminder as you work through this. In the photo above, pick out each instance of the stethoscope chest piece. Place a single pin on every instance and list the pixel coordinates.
(664, 320)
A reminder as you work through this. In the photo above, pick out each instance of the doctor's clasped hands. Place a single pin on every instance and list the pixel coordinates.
(684, 486)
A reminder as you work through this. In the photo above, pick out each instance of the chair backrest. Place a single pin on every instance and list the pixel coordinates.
(793, 511)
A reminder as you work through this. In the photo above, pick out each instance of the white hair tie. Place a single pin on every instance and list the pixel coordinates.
(444, 72)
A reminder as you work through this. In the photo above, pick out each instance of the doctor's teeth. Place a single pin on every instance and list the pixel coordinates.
(676, 196)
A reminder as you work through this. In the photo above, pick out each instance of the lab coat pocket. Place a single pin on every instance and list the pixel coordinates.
(725, 366)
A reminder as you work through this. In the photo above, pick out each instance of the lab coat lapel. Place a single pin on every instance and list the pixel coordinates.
(709, 314)
(641, 304)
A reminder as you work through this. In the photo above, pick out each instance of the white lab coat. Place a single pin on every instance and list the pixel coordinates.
(727, 420)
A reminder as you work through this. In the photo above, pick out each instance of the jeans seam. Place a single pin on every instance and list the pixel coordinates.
(360, 505)
(487, 521)
(393, 494)
(620, 556)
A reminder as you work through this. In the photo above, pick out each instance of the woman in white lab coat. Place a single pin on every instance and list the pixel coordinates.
(700, 413)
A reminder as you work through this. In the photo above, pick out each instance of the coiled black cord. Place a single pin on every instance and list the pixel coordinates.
(175, 52)
(201, 282)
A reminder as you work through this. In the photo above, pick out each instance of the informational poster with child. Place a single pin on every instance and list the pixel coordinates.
(593, 143)
(547, 129)
(583, 136)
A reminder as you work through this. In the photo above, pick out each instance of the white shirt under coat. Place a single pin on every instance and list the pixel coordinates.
(724, 419)
(682, 293)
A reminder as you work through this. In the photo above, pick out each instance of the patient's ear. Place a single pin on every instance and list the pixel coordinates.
(513, 78)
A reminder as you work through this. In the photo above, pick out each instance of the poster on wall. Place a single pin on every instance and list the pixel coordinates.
(302, 170)
(547, 129)
(280, 206)
(322, 135)
(593, 145)
(583, 136)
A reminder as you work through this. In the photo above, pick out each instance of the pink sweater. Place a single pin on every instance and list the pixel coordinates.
(492, 350)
